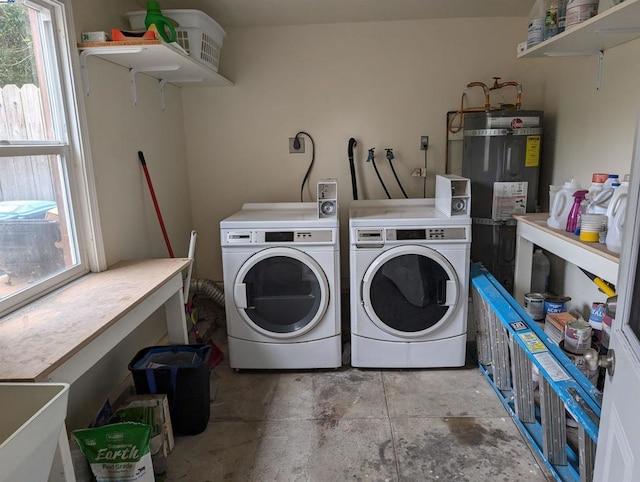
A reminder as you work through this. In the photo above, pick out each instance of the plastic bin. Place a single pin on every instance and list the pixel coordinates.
(197, 33)
(31, 423)
(182, 372)
(32, 209)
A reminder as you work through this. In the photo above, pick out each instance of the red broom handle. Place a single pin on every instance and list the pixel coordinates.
(155, 203)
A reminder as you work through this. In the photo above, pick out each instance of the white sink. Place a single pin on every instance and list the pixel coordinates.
(31, 418)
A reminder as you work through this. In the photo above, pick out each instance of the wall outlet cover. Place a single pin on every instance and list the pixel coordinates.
(292, 149)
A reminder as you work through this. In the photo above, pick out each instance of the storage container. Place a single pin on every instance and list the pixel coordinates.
(561, 206)
(197, 33)
(32, 422)
(182, 372)
(579, 11)
(540, 273)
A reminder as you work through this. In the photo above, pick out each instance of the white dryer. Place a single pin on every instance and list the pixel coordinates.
(282, 287)
(409, 270)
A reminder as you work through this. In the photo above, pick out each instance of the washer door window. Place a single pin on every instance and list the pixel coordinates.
(281, 292)
(409, 291)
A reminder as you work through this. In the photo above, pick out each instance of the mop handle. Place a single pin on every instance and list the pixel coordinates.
(155, 203)
(192, 252)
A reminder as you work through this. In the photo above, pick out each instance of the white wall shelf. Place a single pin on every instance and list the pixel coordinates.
(613, 27)
(166, 62)
(533, 230)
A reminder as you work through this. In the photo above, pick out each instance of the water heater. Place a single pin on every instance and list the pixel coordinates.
(501, 157)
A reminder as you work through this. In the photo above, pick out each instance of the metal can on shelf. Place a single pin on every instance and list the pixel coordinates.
(534, 305)
(596, 315)
(555, 304)
(577, 336)
(606, 330)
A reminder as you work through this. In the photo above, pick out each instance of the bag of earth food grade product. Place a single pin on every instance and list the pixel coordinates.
(147, 416)
(118, 452)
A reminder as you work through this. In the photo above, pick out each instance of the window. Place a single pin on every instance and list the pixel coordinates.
(44, 207)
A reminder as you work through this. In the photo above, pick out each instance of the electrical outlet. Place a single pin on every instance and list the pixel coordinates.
(292, 149)
(424, 143)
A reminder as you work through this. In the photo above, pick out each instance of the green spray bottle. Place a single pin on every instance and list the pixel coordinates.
(162, 24)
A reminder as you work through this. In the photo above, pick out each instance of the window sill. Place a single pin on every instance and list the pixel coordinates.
(59, 337)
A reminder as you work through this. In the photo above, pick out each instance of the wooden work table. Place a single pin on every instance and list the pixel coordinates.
(533, 230)
(62, 335)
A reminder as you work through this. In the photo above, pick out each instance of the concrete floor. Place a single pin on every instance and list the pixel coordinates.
(353, 424)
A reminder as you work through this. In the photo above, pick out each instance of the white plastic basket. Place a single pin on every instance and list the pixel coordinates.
(198, 34)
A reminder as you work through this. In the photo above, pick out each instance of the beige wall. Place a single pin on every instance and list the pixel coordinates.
(117, 130)
(588, 130)
(383, 83)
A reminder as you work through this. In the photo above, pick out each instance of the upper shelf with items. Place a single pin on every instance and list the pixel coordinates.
(163, 61)
(613, 27)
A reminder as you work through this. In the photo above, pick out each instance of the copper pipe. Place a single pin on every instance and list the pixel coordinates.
(499, 85)
(487, 103)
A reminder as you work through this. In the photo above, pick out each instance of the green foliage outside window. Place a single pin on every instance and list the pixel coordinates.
(17, 63)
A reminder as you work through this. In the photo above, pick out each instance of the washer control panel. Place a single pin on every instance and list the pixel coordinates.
(380, 236)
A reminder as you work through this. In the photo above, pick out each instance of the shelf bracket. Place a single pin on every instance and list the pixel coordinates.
(161, 82)
(103, 51)
(597, 53)
(600, 55)
(132, 80)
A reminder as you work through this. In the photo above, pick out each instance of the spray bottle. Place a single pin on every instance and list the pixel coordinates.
(573, 219)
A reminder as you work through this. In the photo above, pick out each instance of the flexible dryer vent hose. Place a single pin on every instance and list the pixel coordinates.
(209, 288)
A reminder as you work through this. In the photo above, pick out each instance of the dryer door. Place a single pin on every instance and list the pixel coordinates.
(281, 292)
(409, 291)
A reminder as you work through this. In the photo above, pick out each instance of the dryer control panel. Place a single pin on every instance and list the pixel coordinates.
(247, 237)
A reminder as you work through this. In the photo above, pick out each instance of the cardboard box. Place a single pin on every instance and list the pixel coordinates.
(162, 416)
(554, 325)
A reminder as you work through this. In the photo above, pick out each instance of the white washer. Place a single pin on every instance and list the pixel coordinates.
(409, 270)
(282, 287)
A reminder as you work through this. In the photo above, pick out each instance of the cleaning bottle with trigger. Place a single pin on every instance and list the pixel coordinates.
(574, 215)
(155, 19)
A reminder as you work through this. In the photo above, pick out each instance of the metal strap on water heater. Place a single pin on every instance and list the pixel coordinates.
(494, 222)
(522, 131)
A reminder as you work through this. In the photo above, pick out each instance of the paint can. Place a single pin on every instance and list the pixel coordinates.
(607, 321)
(577, 336)
(579, 361)
(596, 315)
(595, 320)
(534, 305)
(555, 304)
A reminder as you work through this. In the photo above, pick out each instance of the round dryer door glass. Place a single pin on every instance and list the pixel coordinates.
(410, 290)
(281, 292)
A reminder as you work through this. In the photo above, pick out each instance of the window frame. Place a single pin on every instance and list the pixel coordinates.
(77, 163)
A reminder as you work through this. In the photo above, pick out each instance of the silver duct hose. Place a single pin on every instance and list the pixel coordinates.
(209, 288)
